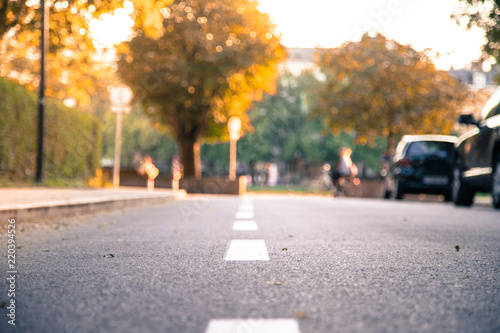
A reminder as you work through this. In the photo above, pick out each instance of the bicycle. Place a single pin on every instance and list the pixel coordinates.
(347, 187)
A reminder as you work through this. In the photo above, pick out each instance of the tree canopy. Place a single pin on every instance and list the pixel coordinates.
(486, 15)
(74, 68)
(69, 17)
(379, 88)
(214, 58)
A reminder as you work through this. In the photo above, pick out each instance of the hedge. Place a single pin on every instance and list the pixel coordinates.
(72, 141)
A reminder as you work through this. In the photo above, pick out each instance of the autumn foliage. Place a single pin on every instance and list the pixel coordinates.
(212, 61)
(76, 68)
(378, 87)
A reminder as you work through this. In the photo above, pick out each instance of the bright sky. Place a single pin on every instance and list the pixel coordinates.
(421, 23)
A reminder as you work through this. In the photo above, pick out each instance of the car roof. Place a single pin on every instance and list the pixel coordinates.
(430, 137)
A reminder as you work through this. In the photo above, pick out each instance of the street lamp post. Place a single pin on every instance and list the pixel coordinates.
(120, 98)
(44, 45)
(234, 127)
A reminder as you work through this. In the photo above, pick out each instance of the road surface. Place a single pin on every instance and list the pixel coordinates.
(291, 264)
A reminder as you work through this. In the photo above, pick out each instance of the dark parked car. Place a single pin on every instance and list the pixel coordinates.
(477, 160)
(421, 164)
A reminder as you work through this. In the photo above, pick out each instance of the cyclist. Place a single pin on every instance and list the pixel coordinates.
(345, 170)
(345, 166)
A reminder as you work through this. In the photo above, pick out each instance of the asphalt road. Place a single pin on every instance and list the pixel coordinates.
(335, 265)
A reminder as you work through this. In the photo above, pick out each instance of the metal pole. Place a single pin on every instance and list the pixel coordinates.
(41, 99)
(232, 160)
(118, 149)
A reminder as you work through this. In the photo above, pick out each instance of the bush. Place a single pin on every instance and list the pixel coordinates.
(72, 142)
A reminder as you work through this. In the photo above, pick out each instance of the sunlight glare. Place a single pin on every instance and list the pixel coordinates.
(112, 29)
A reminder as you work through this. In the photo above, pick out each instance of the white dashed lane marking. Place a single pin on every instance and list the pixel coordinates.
(253, 325)
(247, 249)
(250, 250)
(245, 225)
(242, 215)
(246, 208)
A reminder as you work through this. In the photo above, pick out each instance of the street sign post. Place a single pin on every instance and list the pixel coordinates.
(120, 103)
(234, 127)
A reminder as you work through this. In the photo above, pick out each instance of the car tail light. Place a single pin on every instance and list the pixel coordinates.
(404, 163)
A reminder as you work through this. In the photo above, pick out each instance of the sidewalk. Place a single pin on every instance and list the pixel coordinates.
(38, 202)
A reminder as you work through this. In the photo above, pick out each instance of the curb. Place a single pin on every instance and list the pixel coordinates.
(83, 206)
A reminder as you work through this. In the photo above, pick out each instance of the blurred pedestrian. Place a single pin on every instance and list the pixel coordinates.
(345, 167)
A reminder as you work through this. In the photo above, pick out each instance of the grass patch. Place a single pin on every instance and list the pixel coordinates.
(46, 183)
(483, 194)
(286, 189)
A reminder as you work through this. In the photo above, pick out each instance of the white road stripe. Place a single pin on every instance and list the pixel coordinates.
(242, 215)
(253, 326)
(246, 204)
(245, 208)
(245, 225)
(247, 249)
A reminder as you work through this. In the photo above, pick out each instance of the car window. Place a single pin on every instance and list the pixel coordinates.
(425, 149)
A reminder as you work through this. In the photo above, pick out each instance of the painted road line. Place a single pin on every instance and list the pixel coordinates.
(253, 325)
(245, 208)
(246, 203)
(242, 215)
(245, 225)
(247, 249)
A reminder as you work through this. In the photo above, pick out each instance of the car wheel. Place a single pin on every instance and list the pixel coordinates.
(398, 190)
(495, 186)
(462, 194)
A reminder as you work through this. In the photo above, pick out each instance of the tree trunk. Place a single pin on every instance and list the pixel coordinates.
(197, 159)
(190, 157)
(187, 157)
(390, 143)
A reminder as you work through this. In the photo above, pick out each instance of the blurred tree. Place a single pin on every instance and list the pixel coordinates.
(214, 58)
(11, 14)
(283, 130)
(74, 67)
(486, 15)
(139, 138)
(377, 87)
(75, 73)
(69, 17)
